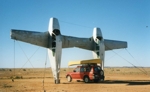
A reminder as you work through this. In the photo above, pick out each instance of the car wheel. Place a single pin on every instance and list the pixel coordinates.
(86, 79)
(102, 79)
(69, 78)
(101, 72)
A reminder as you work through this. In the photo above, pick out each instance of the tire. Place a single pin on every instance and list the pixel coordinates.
(101, 72)
(102, 79)
(69, 79)
(86, 79)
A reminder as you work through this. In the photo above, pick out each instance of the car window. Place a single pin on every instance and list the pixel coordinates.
(83, 69)
(96, 69)
(99, 68)
(88, 69)
(77, 69)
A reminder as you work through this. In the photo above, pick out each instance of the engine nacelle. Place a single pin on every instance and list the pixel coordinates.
(97, 34)
(99, 47)
(55, 48)
(54, 30)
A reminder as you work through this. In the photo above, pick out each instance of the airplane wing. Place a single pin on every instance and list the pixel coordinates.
(114, 44)
(36, 38)
(88, 43)
(84, 43)
(42, 39)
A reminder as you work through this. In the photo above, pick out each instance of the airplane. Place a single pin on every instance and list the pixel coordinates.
(54, 41)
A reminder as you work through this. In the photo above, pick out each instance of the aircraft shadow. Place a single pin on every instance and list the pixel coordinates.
(135, 82)
(127, 82)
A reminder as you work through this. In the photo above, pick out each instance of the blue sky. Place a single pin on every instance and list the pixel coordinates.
(126, 20)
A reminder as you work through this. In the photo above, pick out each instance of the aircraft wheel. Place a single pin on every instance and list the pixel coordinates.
(86, 79)
(69, 78)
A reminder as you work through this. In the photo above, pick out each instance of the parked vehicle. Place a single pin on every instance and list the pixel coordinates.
(87, 73)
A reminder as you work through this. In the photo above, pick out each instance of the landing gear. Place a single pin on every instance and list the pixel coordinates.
(57, 81)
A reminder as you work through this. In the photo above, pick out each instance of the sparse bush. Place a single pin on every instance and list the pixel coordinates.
(118, 70)
(6, 86)
(18, 77)
(11, 77)
(24, 69)
(10, 70)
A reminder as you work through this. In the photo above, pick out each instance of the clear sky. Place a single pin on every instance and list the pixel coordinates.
(125, 20)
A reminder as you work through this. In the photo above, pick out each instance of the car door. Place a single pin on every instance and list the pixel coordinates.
(75, 74)
(82, 72)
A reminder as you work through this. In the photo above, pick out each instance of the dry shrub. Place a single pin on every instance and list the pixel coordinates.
(2, 69)
(24, 69)
(16, 77)
(6, 86)
(118, 70)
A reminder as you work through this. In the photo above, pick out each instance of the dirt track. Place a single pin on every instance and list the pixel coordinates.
(117, 80)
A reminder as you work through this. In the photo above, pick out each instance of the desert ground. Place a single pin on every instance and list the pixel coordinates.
(116, 80)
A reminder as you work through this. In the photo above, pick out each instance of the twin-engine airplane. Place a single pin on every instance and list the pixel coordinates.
(54, 41)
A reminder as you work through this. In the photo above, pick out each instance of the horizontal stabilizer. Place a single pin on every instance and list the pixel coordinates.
(36, 38)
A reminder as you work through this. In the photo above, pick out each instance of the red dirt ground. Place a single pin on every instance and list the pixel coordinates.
(116, 80)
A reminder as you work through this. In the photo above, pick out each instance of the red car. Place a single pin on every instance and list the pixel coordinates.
(87, 73)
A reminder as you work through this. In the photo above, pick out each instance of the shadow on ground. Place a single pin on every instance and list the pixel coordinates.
(131, 82)
(128, 82)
